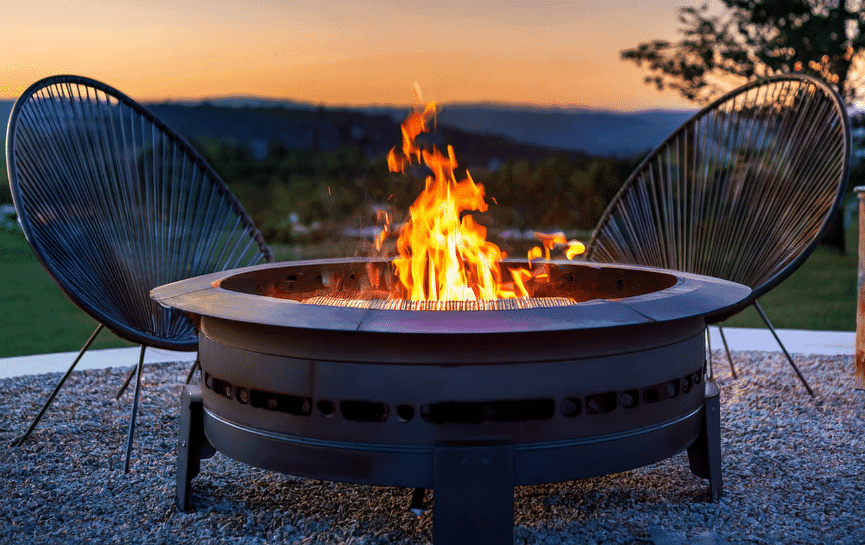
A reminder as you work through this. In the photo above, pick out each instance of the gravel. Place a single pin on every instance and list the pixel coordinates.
(794, 472)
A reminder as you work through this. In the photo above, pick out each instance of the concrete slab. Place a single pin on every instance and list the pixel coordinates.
(92, 359)
(797, 341)
(830, 343)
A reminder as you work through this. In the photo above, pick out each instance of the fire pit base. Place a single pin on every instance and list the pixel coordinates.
(473, 481)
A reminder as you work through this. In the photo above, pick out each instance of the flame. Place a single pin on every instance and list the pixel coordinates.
(575, 248)
(443, 252)
(382, 217)
(550, 241)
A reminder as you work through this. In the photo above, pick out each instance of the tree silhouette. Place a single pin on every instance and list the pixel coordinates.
(723, 47)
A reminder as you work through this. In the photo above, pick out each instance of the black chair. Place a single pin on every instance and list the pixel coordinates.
(742, 191)
(114, 203)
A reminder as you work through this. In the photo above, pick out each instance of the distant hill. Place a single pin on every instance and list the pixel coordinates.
(301, 125)
(294, 128)
(326, 129)
(5, 110)
(596, 132)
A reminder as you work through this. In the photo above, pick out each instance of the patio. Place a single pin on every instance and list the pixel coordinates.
(792, 468)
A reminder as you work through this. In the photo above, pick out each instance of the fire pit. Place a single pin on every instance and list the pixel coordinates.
(601, 371)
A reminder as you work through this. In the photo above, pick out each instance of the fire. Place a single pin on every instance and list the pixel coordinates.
(443, 252)
(550, 241)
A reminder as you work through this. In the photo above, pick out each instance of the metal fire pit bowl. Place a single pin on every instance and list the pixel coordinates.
(469, 403)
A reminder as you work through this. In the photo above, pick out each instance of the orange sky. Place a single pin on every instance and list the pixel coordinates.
(545, 52)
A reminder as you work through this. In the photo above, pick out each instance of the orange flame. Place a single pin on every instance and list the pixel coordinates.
(550, 241)
(443, 252)
(575, 248)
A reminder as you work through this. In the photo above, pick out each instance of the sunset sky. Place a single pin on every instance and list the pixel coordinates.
(562, 53)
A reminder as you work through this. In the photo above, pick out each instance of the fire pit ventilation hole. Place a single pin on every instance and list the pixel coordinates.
(630, 399)
(660, 392)
(404, 413)
(457, 412)
(363, 411)
(620, 283)
(221, 387)
(601, 403)
(291, 404)
(571, 407)
(651, 395)
(477, 412)
(326, 408)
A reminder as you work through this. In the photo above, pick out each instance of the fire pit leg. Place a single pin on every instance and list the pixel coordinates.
(473, 493)
(192, 444)
(704, 455)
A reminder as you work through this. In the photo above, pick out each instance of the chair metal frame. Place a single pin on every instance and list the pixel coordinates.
(136, 168)
(798, 120)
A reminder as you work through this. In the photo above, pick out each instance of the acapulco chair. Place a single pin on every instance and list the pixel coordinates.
(742, 191)
(113, 204)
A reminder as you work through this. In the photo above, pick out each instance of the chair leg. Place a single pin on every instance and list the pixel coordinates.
(125, 384)
(196, 365)
(20, 441)
(134, 410)
(789, 357)
(727, 348)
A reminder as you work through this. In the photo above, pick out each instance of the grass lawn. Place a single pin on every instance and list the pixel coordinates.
(36, 317)
(820, 295)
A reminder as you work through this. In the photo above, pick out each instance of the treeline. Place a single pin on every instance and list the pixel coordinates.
(294, 195)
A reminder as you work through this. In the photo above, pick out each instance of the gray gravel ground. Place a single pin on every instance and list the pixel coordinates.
(794, 472)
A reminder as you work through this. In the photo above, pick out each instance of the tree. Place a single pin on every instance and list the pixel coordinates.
(722, 48)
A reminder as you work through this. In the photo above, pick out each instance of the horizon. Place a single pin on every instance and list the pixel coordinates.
(408, 106)
(676, 106)
(287, 102)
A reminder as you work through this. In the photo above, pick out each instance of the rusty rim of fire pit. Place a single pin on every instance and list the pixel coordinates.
(681, 295)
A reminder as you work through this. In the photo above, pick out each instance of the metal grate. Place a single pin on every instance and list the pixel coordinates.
(403, 304)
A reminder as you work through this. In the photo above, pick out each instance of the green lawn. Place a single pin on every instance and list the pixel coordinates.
(820, 295)
(36, 317)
